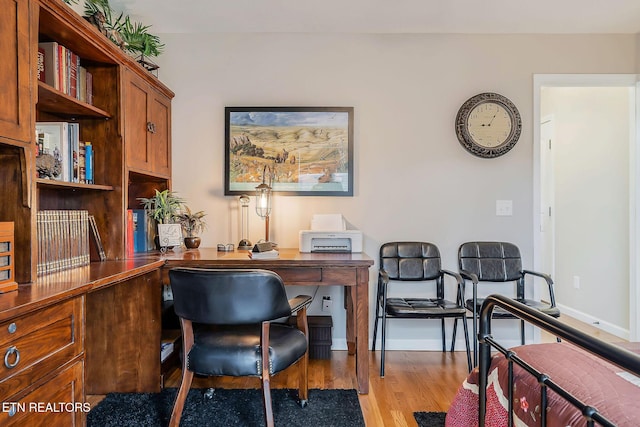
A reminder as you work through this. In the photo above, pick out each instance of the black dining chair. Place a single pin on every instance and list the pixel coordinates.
(227, 330)
(417, 262)
(499, 262)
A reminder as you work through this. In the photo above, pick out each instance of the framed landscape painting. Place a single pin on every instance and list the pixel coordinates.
(309, 150)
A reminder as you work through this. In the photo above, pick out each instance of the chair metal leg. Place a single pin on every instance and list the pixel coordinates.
(375, 325)
(466, 341)
(475, 337)
(382, 344)
(453, 337)
(522, 332)
(444, 344)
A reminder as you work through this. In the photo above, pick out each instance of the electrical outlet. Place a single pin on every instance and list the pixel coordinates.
(167, 293)
(326, 303)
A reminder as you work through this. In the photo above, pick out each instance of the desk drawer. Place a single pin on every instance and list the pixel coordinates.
(58, 402)
(37, 343)
(324, 276)
(299, 275)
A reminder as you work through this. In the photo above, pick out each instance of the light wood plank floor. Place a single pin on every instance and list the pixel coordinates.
(414, 380)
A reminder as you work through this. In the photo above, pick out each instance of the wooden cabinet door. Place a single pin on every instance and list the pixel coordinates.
(136, 106)
(147, 123)
(15, 100)
(160, 135)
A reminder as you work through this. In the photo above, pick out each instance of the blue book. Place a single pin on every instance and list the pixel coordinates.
(140, 230)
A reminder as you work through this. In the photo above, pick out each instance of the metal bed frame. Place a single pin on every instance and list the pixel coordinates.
(620, 357)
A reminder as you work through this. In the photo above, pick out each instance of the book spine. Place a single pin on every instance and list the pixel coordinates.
(88, 159)
(41, 66)
(130, 233)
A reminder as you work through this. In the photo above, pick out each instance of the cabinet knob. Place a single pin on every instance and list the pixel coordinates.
(12, 351)
(12, 328)
(151, 127)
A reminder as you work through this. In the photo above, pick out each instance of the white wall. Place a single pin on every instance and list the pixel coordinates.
(591, 169)
(413, 180)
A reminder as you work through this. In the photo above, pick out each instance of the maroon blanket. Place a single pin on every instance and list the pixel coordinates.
(615, 393)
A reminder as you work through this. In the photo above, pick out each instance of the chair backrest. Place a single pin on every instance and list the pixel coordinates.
(410, 260)
(228, 296)
(491, 261)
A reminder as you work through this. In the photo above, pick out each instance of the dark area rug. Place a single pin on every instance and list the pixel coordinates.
(430, 419)
(335, 408)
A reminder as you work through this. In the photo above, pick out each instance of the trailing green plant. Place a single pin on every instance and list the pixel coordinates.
(164, 207)
(131, 36)
(192, 223)
(139, 40)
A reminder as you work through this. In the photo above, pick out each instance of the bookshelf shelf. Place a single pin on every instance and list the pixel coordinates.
(53, 101)
(72, 185)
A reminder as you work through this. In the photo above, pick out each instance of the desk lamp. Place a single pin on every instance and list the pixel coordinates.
(263, 198)
(245, 244)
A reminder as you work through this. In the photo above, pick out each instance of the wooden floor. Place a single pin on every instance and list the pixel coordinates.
(414, 380)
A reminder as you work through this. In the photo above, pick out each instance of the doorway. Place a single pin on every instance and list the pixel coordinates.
(585, 196)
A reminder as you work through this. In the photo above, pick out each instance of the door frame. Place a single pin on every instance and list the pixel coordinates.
(593, 80)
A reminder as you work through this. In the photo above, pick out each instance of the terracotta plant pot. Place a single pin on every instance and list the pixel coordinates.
(192, 242)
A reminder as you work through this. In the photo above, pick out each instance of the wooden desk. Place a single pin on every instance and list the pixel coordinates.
(315, 269)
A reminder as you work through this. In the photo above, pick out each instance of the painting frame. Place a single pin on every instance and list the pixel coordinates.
(303, 147)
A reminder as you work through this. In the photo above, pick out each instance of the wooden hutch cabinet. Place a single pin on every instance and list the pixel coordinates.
(132, 151)
(132, 158)
(147, 127)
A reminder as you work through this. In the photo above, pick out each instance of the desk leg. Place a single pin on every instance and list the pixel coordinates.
(350, 302)
(362, 329)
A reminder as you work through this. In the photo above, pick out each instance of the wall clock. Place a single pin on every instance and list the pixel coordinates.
(488, 125)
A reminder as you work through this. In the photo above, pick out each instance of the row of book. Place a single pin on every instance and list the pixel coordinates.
(60, 68)
(73, 160)
(63, 240)
(140, 231)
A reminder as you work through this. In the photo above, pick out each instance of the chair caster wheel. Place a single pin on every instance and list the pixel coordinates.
(208, 394)
(304, 403)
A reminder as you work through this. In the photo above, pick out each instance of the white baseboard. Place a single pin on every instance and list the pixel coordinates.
(595, 322)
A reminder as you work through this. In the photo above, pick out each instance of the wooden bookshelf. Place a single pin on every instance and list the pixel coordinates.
(111, 122)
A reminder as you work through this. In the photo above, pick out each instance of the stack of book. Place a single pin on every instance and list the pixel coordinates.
(60, 68)
(63, 240)
(272, 254)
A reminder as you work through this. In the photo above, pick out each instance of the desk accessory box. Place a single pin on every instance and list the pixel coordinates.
(7, 270)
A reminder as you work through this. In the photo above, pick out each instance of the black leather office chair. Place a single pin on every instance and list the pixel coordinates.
(416, 262)
(499, 262)
(241, 304)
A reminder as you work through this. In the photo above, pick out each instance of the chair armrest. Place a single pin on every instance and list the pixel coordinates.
(549, 281)
(457, 276)
(461, 285)
(300, 302)
(546, 277)
(467, 275)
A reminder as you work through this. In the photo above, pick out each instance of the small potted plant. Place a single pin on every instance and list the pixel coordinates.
(164, 207)
(193, 224)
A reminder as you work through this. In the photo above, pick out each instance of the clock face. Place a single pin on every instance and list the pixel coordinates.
(488, 125)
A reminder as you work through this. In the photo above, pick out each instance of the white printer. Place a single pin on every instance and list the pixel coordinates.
(329, 234)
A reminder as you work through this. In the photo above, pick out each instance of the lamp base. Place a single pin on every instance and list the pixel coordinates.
(245, 244)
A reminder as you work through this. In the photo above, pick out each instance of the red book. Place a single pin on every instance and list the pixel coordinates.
(74, 63)
(130, 228)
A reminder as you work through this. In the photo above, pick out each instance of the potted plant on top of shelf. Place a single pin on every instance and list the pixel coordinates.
(164, 207)
(193, 224)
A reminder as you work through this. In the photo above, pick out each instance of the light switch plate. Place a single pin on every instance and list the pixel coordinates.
(504, 207)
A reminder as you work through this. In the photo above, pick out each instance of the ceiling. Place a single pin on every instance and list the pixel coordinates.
(385, 16)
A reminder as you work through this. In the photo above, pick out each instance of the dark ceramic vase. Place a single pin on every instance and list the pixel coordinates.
(192, 242)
